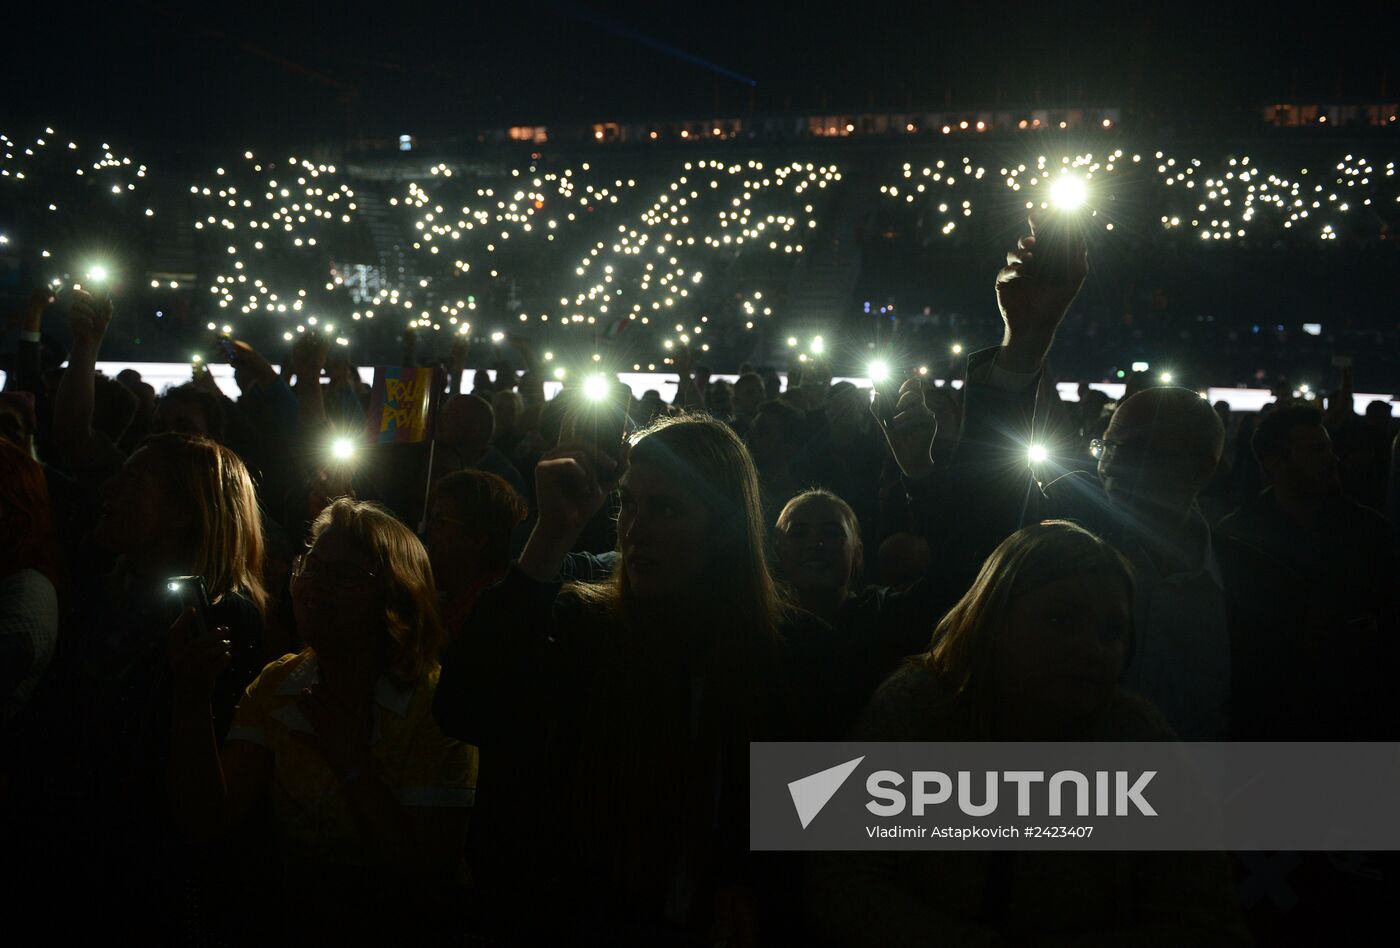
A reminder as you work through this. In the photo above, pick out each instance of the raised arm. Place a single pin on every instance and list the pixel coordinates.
(457, 363)
(688, 393)
(1031, 308)
(985, 490)
(308, 360)
(73, 436)
(498, 662)
(28, 370)
(527, 353)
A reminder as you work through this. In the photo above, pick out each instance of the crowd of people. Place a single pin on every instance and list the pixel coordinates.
(500, 685)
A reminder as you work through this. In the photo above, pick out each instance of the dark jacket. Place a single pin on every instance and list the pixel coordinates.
(877, 626)
(1313, 621)
(990, 490)
(907, 898)
(629, 821)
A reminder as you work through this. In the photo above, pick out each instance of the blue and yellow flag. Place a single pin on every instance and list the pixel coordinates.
(399, 404)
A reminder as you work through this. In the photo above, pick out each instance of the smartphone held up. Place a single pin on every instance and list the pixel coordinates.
(189, 593)
(598, 419)
(1060, 231)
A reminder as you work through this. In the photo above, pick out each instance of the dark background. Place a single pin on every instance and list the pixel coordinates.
(264, 74)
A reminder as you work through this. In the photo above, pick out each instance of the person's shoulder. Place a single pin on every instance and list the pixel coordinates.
(911, 705)
(289, 663)
(29, 595)
(1080, 496)
(235, 605)
(494, 461)
(866, 598)
(279, 674)
(28, 583)
(804, 633)
(1131, 717)
(414, 700)
(1245, 519)
(1365, 519)
(1076, 487)
(798, 622)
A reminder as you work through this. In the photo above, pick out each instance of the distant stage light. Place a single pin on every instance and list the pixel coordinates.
(559, 373)
(1166, 378)
(342, 449)
(879, 370)
(97, 274)
(957, 348)
(1037, 454)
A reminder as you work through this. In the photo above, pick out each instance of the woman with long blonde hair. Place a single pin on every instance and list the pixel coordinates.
(619, 713)
(1032, 652)
(180, 506)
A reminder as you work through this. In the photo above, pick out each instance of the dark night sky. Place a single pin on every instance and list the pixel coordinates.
(260, 74)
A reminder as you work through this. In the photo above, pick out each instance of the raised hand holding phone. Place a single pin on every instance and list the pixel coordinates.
(599, 422)
(884, 393)
(197, 654)
(911, 429)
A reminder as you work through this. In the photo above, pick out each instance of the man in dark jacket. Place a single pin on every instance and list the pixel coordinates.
(1159, 451)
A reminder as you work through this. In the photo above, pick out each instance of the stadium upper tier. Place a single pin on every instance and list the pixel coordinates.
(1239, 261)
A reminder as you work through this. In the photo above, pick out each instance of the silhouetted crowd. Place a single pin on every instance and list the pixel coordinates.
(265, 679)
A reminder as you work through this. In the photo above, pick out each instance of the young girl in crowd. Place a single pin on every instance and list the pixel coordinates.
(614, 718)
(817, 540)
(369, 800)
(471, 517)
(1032, 652)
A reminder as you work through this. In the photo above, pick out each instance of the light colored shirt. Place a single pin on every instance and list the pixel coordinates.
(419, 764)
(28, 627)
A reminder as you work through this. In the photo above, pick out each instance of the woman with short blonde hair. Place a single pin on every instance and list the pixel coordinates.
(369, 799)
(412, 627)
